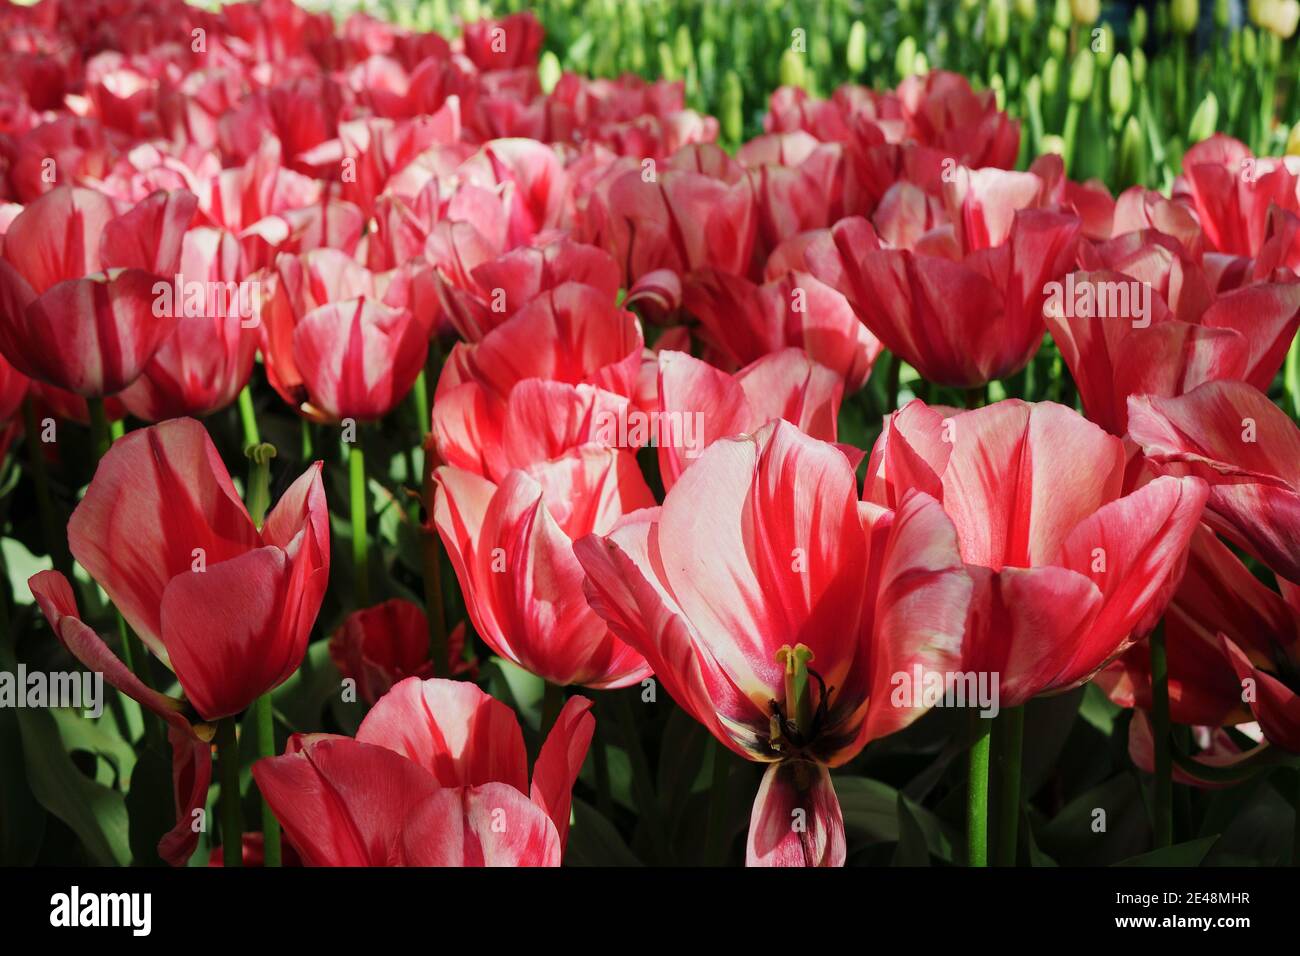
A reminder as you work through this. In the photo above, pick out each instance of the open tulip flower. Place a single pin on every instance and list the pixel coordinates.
(339, 341)
(1222, 614)
(538, 384)
(1248, 449)
(226, 606)
(887, 413)
(77, 287)
(436, 776)
(1232, 192)
(1155, 324)
(961, 316)
(776, 608)
(1068, 569)
(512, 547)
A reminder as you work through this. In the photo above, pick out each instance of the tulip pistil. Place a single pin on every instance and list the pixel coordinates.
(795, 723)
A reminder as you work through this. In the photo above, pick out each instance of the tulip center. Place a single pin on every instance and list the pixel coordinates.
(795, 720)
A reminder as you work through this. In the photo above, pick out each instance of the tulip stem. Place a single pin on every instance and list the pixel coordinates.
(715, 842)
(977, 795)
(893, 382)
(431, 548)
(1163, 803)
(360, 539)
(420, 394)
(1011, 736)
(259, 499)
(1291, 377)
(100, 437)
(248, 418)
(232, 826)
(55, 542)
(271, 855)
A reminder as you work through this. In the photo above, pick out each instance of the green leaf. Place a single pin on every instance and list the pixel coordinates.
(911, 849)
(150, 804)
(593, 841)
(870, 811)
(1190, 853)
(22, 819)
(97, 814)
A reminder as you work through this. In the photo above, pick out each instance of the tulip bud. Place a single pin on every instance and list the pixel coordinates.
(905, 57)
(1137, 27)
(1051, 78)
(1183, 15)
(1279, 17)
(667, 68)
(1139, 66)
(1131, 164)
(1057, 42)
(683, 51)
(733, 115)
(1249, 45)
(1223, 14)
(1205, 119)
(856, 55)
(1120, 87)
(549, 71)
(1103, 44)
(1085, 12)
(1293, 141)
(999, 88)
(997, 23)
(1061, 15)
(1082, 74)
(921, 65)
(1027, 10)
(791, 69)
(1051, 143)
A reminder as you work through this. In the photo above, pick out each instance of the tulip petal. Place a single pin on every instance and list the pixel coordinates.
(796, 819)
(456, 732)
(560, 761)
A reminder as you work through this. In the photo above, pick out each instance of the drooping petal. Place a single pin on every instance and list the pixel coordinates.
(560, 761)
(796, 819)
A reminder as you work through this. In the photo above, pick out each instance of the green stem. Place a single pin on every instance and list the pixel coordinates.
(420, 395)
(977, 795)
(1011, 735)
(1163, 803)
(51, 529)
(100, 436)
(1291, 377)
(259, 499)
(248, 418)
(232, 826)
(307, 444)
(892, 381)
(715, 843)
(271, 855)
(360, 536)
